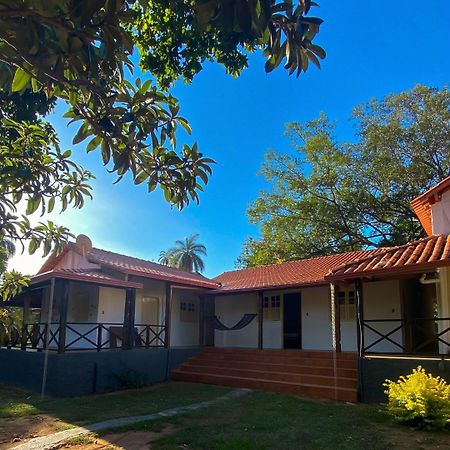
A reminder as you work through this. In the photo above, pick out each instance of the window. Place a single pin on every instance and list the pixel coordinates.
(188, 311)
(271, 308)
(347, 305)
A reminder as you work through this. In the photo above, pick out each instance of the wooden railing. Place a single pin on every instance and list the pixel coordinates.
(84, 336)
(419, 336)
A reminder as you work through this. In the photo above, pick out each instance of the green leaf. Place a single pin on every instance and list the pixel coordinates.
(51, 204)
(20, 80)
(82, 134)
(94, 143)
(319, 51)
(33, 205)
(33, 246)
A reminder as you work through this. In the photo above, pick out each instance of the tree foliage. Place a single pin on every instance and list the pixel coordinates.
(79, 52)
(187, 255)
(328, 196)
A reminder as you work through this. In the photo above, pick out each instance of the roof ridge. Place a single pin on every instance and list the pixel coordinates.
(381, 253)
(163, 266)
(297, 260)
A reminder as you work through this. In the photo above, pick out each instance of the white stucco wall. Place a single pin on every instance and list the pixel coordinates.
(111, 305)
(151, 288)
(382, 300)
(229, 310)
(316, 320)
(440, 215)
(184, 333)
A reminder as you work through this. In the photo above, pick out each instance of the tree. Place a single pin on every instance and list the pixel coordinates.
(165, 258)
(186, 255)
(79, 52)
(327, 197)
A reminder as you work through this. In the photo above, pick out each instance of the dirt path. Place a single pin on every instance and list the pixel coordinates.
(51, 441)
(129, 440)
(14, 430)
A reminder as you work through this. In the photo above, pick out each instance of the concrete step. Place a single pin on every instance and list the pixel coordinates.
(204, 363)
(309, 390)
(265, 375)
(269, 357)
(321, 354)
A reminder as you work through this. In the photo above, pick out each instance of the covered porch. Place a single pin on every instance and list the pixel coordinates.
(88, 311)
(418, 323)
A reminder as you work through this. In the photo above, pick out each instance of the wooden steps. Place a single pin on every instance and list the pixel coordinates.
(308, 373)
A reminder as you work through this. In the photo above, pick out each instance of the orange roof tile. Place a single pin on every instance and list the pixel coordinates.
(426, 253)
(148, 269)
(422, 204)
(88, 275)
(134, 266)
(304, 272)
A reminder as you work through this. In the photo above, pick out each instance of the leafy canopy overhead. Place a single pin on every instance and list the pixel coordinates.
(79, 52)
(328, 196)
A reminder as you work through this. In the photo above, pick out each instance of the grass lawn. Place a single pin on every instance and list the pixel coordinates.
(264, 420)
(259, 420)
(95, 408)
(23, 415)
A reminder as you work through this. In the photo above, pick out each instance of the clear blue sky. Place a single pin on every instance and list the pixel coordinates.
(373, 48)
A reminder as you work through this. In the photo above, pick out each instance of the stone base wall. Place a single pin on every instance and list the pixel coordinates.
(374, 372)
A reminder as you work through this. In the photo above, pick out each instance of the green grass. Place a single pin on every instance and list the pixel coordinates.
(263, 420)
(95, 408)
(257, 421)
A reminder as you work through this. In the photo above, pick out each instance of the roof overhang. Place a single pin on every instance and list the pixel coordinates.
(103, 281)
(271, 287)
(171, 279)
(389, 272)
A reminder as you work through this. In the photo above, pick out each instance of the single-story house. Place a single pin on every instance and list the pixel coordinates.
(334, 326)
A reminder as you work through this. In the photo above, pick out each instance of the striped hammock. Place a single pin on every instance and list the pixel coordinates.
(218, 325)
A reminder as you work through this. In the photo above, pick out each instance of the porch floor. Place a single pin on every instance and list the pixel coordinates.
(310, 373)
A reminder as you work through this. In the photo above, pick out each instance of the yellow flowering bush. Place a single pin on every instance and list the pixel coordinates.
(419, 399)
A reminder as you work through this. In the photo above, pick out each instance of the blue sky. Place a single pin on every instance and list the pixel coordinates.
(373, 48)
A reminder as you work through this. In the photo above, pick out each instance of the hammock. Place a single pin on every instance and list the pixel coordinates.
(218, 325)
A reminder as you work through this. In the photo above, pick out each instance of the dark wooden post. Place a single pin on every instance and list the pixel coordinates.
(210, 312)
(63, 289)
(25, 320)
(201, 320)
(168, 312)
(335, 317)
(260, 319)
(359, 316)
(360, 335)
(128, 321)
(99, 336)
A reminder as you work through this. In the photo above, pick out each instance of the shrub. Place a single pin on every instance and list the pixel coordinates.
(420, 400)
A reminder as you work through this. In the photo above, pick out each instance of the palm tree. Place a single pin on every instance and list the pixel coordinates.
(187, 254)
(166, 258)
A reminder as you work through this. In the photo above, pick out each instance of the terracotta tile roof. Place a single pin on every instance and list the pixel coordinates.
(88, 275)
(148, 269)
(422, 204)
(134, 266)
(426, 253)
(304, 272)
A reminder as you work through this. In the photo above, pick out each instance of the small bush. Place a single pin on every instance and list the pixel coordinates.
(131, 379)
(420, 400)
